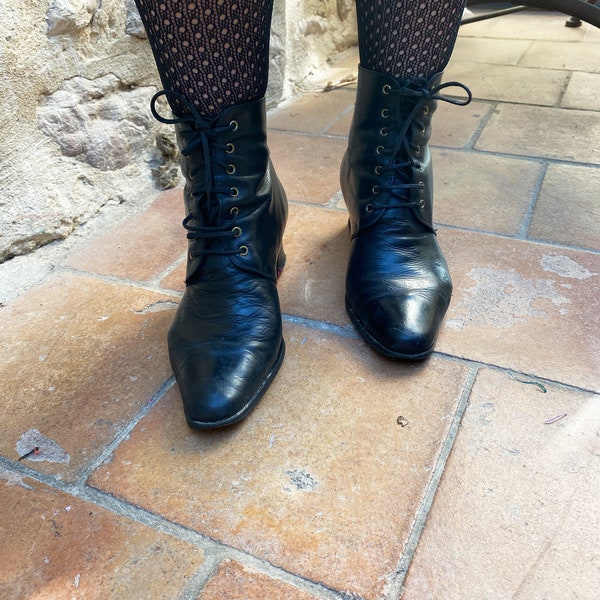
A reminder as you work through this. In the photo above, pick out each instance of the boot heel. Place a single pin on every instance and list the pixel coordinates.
(281, 258)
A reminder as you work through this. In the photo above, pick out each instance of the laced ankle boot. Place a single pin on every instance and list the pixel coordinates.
(397, 284)
(226, 343)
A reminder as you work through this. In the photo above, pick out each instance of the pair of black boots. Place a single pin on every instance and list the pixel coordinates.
(226, 343)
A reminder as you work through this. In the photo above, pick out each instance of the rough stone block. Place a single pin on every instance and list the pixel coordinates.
(67, 16)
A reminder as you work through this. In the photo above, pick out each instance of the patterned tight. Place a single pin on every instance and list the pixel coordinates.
(407, 39)
(216, 52)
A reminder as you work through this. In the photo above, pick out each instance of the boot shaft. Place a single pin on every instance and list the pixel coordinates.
(235, 206)
(387, 170)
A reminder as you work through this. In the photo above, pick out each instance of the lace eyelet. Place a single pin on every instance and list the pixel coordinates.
(386, 89)
(384, 131)
(191, 256)
(236, 232)
(234, 211)
(230, 148)
(418, 150)
(378, 170)
(422, 204)
(376, 190)
(379, 150)
(421, 185)
(230, 170)
(426, 110)
(369, 208)
(244, 250)
(234, 125)
(234, 192)
(385, 113)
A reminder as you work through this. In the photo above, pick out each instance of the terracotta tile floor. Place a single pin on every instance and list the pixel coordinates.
(489, 492)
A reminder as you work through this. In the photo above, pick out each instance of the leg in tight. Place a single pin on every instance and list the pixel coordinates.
(213, 52)
(407, 38)
(397, 284)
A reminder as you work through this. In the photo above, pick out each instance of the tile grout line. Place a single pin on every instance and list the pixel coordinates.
(477, 364)
(346, 331)
(109, 449)
(483, 122)
(168, 270)
(535, 195)
(147, 285)
(553, 107)
(563, 91)
(337, 119)
(202, 576)
(329, 205)
(509, 155)
(396, 586)
(524, 53)
(505, 236)
(533, 40)
(319, 590)
(334, 201)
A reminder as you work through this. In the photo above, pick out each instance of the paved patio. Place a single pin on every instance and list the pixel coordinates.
(475, 475)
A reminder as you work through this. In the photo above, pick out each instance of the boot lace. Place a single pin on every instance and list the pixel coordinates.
(203, 190)
(401, 157)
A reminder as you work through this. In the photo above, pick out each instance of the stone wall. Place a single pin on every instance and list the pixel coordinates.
(76, 78)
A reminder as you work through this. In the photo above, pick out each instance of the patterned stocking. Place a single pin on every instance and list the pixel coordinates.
(407, 38)
(213, 52)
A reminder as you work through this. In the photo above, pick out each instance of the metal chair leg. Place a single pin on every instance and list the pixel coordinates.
(573, 22)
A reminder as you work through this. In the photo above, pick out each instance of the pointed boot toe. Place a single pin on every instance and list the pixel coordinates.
(403, 327)
(221, 387)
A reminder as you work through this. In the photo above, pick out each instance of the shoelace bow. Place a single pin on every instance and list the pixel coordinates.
(403, 147)
(203, 192)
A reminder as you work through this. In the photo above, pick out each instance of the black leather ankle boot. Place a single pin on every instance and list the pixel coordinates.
(226, 342)
(397, 284)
